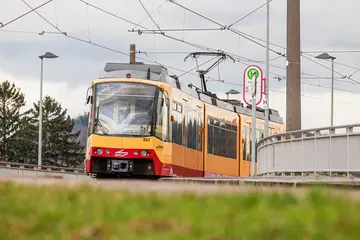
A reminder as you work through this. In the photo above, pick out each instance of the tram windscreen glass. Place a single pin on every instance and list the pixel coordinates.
(124, 108)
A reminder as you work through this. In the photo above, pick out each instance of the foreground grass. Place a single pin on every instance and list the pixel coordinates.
(86, 213)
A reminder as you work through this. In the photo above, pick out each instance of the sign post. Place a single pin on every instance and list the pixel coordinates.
(253, 128)
(251, 76)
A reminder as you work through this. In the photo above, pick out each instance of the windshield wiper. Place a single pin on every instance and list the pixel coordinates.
(146, 128)
(98, 123)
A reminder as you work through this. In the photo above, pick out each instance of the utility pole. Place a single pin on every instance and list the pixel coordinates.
(267, 69)
(293, 83)
(133, 55)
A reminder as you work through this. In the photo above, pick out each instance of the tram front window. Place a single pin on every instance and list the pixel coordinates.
(124, 108)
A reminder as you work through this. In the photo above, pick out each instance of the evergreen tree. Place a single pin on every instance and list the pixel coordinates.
(60, 145)
(82, 119)
(11, 120)
(26, 149)
(81, 124)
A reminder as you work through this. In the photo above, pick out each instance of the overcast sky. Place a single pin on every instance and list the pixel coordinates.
(325, 25)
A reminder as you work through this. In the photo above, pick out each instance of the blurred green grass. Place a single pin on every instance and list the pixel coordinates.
(59, 212)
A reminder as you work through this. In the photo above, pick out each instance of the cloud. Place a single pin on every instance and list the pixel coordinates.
(324, 25)
(316, 107)
(73, 99)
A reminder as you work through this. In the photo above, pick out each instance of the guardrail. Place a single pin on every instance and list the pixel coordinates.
(11, 169)
(333, 151)
(269, 181)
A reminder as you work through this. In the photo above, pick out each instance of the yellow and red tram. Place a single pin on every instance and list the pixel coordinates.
(145, 123)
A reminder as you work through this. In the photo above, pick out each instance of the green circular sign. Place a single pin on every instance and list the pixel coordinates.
(251, 73)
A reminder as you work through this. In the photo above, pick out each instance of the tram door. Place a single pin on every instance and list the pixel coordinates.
(199, 139)
(185, 160)
(192, 139)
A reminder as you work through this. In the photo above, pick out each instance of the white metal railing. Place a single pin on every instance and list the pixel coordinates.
(321, 151)
(11, 169)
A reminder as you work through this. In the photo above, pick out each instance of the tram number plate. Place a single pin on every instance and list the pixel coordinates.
(146, 139)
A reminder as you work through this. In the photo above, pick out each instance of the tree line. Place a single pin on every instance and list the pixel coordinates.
(19, 129)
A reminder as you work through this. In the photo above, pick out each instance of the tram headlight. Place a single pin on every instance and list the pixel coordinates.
(98, 151)
(144, 153)
(136, 153)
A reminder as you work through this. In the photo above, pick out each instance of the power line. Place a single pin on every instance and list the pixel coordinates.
(354, 73)
(334, 51)
(108, 48)
(29, 32)
(19, 31)
(262, 40)
(335, 62)
(174, 52)
(91, 5)
(149, 15)
(278, 91)
(162, 52)
(180, 30)
(33, 9)
(322, 86)
(192, 44)
(344, 76)
(255, 10)
(226, 27)
(120, 52)
(357, 69)
(163, 34)
(197, 66)
(323, 65)
(170, 37)
(138, 24)
(41, 16)
(237, 57)
(123, 53)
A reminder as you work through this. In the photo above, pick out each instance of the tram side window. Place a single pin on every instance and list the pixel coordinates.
(244, 134)
(221, 138)
(199, 129)
(177, 123)
(191, 134)
(210, 139)
(165, 117)
(217, 141)
(162, 111)
(230, 139)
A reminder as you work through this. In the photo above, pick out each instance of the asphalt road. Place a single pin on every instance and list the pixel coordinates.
(164, 187)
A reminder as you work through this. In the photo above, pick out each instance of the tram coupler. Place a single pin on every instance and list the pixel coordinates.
(120, 166)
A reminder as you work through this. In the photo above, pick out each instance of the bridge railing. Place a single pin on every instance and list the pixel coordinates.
(320, 151)
(12, 169)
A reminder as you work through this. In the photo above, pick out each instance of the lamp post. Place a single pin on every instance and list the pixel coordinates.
(326, 56)
(266, 101)
(46, 55)
(232, 91)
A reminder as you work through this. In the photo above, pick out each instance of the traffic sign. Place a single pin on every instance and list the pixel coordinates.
(250, 73)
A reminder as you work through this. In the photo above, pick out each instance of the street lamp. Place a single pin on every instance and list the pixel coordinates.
(326, 56)
(46, 55)
(232, 91)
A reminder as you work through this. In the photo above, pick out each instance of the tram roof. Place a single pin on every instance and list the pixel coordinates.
(160, 73)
